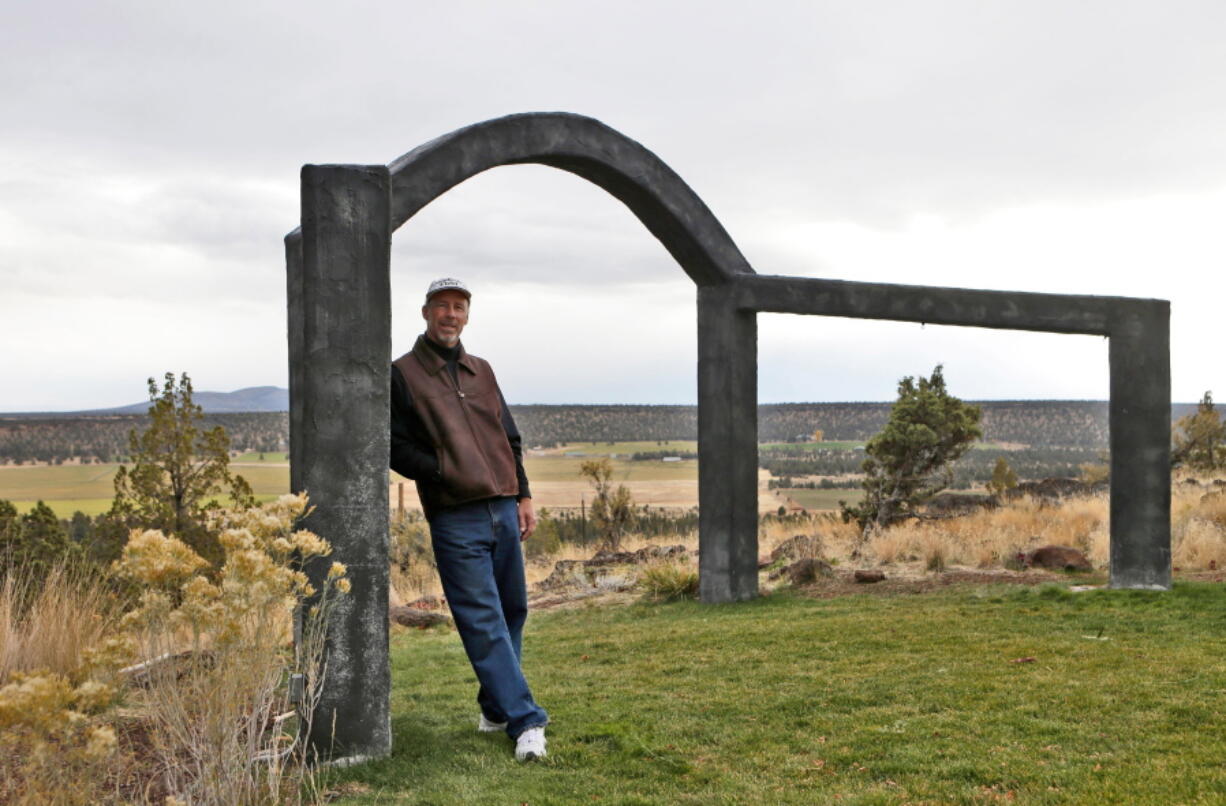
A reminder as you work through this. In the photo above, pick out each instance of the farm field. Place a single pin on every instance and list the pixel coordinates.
(556, 484)
(844, 445)
(90, 488)
(850, 445)
(554, 475)
(821, 499)
(270, 457)
(594, 449)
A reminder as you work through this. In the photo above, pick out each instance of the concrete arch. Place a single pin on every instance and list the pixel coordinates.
(339, 304)
(583, 146)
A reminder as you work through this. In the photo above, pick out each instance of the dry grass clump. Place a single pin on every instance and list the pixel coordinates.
(201, 725)
(991, 538)
(666, 582)
(837, 539)
(54, 746)
(49, 623)
(1198, 529)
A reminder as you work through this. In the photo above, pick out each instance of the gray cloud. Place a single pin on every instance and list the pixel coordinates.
(150, 152)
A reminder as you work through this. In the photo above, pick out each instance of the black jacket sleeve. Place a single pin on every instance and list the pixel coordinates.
(517, 447)
(411, 454)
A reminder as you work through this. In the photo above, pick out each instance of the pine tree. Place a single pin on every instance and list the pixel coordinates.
(35, 541)
(178, 471)
(908, 461)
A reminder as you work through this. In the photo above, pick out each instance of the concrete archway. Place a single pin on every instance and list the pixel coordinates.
(338, 272)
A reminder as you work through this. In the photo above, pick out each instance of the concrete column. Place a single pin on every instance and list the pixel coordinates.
(340, 406)
(296, 332)
(727, 447)
(1140, 359)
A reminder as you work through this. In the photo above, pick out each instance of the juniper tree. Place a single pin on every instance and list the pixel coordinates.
(1200, 438)
(179, 471)
(612, 509)
(34, 542)
(909, 460)
(1003, 478)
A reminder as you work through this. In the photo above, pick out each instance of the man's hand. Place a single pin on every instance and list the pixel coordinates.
(527, 518)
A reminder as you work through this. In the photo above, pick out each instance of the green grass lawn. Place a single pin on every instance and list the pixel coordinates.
(857, 700)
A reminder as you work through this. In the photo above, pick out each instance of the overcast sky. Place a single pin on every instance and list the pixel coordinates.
(149, 160)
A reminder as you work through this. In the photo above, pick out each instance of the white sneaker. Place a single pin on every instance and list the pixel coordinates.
(485, 726)
(530, 744)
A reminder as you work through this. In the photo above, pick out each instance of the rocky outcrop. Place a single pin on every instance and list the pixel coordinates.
(607, 571)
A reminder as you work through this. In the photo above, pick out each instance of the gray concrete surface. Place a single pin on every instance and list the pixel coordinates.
(340, 341)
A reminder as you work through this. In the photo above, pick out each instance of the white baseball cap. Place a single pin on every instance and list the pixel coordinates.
(447, 284)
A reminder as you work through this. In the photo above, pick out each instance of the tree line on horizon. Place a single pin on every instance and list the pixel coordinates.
(1039, 424)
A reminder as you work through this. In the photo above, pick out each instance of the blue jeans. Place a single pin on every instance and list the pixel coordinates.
(481, 566)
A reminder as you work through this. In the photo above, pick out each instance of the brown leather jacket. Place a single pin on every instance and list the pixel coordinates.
(464, 423)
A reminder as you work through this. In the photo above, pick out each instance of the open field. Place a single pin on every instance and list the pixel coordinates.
(593, 449)
(90, 488)
(965, 695)
(845, 445)
(814, 447)
(563, 468)
(558, 490)
(821, 499)
(270, 457)
(51, 482)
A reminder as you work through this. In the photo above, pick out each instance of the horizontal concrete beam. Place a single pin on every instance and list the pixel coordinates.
(1007, 310)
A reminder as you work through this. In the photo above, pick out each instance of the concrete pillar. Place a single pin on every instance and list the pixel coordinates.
(1140, 359)
(339, 406)
(727, 447)
(296, 331)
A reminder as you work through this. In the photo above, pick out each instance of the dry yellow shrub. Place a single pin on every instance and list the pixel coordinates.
(51, 749)
(206, 712)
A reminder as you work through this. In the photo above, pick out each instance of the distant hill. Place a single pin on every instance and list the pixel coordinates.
(256, 420)
(251, 399)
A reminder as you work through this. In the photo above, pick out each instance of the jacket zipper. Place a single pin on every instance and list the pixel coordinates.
(489, 470)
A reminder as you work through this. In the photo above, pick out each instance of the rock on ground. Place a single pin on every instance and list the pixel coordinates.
(412, 617)
(798, 548)
(1058, 558)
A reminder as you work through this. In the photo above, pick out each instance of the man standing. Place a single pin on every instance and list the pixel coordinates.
(453, 434)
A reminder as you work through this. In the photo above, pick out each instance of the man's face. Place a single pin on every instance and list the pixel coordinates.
(446, 314)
